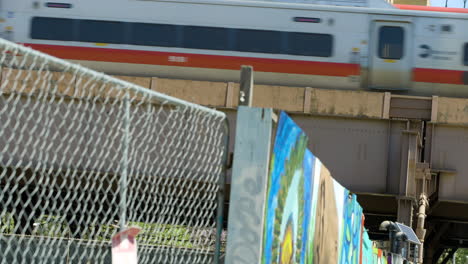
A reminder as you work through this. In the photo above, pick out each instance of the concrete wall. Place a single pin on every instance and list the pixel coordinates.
(292, 99)
(452, 111)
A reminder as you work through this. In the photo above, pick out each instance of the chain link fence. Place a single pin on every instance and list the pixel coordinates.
(83, 155)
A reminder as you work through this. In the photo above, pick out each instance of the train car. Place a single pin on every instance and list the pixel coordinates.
(418, 52)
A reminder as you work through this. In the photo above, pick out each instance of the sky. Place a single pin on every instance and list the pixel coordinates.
(450, 3)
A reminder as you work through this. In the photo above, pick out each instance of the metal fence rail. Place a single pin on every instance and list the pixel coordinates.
(83, 154)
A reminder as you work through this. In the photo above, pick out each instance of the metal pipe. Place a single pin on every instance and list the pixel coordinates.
(124, 164)
(221, 195)
(391, 228)
(400, 244)
(420, 231)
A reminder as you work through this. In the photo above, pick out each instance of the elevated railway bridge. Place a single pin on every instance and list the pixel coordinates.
(404, 156)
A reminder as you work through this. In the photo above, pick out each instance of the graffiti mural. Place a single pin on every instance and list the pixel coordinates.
(379, 257)
(352, 228)
(288, 196)
(325, 242)
(367, 249)
(309, 217)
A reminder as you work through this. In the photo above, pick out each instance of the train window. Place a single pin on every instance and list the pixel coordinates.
(391, 42)
(213, 38)
(465, 55)
(258, 41)
(205, 38)
(154, 35)
(52, 28)
(319, 45)
(102, 31)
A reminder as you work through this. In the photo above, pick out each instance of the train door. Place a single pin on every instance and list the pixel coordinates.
(390, 58)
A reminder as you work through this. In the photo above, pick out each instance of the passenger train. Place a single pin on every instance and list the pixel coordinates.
(420, 52)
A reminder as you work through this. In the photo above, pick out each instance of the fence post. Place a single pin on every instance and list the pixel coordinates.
(124, 165)
(254, 134)
(221, 196)
(246, 86)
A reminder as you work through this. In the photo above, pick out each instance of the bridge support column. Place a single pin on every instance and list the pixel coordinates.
(407, 189)
(405, 210)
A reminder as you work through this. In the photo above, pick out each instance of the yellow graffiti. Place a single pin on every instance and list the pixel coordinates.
(287, 246)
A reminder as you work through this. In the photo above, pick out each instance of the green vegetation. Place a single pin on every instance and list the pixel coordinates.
(51, 226)
(151, 234)
(167, 235)
(461, 256)
(7, 224)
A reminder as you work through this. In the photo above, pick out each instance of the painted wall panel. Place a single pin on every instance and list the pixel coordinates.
(309, 217)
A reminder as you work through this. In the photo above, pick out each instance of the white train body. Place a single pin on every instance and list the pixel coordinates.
(414, 52)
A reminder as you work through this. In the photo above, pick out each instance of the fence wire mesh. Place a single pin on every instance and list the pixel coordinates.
(83, 154)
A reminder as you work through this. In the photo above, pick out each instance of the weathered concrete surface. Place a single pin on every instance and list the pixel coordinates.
(452, 111)
(200, 92)
(21, 81)
(279, 97)
(141, 81)
(291, 99)
(340, 103)
(347, 103)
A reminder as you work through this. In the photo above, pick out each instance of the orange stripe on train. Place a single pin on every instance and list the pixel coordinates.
(437, 76)
(198, 60)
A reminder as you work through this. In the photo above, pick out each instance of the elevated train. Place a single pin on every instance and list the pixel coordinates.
(418, 52)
